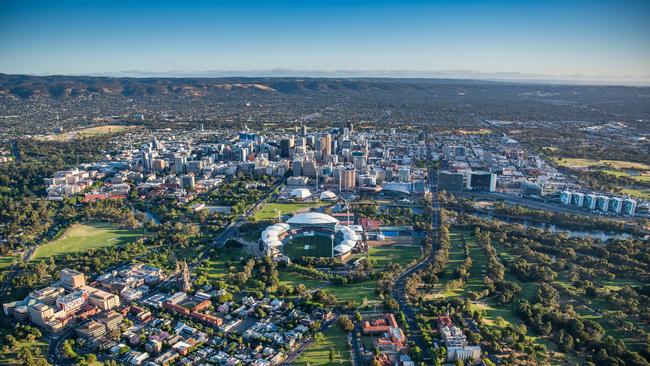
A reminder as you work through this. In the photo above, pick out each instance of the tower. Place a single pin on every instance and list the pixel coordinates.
(187, 285)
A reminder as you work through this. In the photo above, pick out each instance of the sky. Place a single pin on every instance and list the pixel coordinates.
(563, 38)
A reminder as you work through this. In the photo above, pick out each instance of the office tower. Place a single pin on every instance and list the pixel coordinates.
(187, 181)
(179, 164)
(285, 147)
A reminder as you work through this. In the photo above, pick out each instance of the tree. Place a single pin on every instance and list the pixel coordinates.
(345, 323)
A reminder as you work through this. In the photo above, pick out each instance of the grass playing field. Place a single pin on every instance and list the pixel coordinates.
(615, 164)
(217, 268)
(612, 167)
(308, 246)
(270, 211)
(318, 353)
(91, 235)
(87, 132)
(400, 254)
(6, 261)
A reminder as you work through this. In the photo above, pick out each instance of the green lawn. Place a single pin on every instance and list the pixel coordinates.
(616, 164)
(396, 253)
(270, 210)
(92, 235)
(639, 193)
(355, 292)
(6, 261)
(456, 258)
(308, 246)
(217, 268)
(318, 353)
(293, 279)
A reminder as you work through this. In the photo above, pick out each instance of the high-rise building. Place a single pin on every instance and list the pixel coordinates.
(347, 179)
(71, 279)
(404, 175)
(309, 168)
(615, 205)
(195, 166)
(326, 144)
(179, 164)
(296, 167)
(146, 161)
(602, 203)
(47, 295)
(629, 207)
(482, 181)
(590, 201)
(187, 181)
(285, 147)
(577, 199)
(72, 301)
(103, 300)
(40, 314)
(158, 165)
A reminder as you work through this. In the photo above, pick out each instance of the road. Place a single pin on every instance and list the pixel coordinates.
(293, 355)
(398, 293)
(233, 228)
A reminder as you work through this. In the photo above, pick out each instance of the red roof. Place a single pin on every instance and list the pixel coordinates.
(443, 321)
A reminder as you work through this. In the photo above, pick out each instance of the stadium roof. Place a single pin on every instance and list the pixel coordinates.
(312, 218)
(301, 193)
(327, 195)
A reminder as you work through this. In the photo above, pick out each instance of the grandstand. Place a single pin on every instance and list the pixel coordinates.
(309, 234)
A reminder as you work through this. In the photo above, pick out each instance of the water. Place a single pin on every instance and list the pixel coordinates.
(596, 234)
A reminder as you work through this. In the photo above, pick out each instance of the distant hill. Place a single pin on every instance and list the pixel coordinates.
(26, 86)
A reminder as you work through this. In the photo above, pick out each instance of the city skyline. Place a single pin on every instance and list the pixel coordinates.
(585, 41)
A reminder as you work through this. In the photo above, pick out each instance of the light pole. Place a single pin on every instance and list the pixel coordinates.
(332, 237)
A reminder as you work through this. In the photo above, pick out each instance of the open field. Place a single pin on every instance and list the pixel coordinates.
(270, 210)
(402, 254)
(355, 292)
(318, 353)
(217, 268)
(615, 164)
(641, 172)
(293, 279)
(639, 193)
(87, 132)
(6, 261)
(80, 237)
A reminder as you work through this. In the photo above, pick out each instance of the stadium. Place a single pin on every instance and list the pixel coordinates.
(309, 234)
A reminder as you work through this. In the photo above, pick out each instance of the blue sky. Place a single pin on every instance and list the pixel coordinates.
(548, 37)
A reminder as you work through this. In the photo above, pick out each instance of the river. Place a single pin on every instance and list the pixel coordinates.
(597, 234)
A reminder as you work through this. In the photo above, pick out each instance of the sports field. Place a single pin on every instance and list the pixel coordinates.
(641, 172)
(270, 210)
(87, 132)
(402, 254)
(81, 237)
(308, 246)
(6, 261)
(318, 354)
